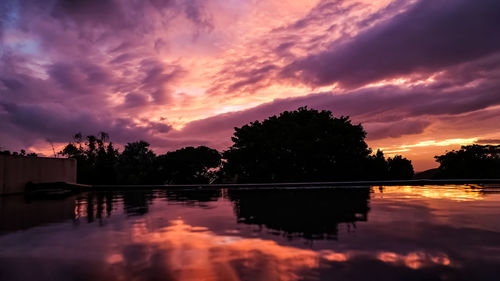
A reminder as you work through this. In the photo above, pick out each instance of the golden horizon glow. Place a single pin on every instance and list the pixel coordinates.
(448, 192)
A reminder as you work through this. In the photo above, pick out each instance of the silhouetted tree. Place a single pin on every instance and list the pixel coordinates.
(471, 161)
(136, 164)
(189, 165)
(96, 158)
(376, 167)
(136, 203)
(296, 146)
(22, 152)
(300, 145)
(399, 168)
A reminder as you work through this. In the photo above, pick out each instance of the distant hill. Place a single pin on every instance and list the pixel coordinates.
(427, 174)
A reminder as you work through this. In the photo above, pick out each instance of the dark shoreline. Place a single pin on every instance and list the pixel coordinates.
(41, 187)
(309, 184)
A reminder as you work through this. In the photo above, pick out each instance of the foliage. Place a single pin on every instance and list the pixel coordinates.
(296, 146)
(301, 145)
(100, 163)
(399, 168)
(96, 159)
(376, 167)
(189, 165)
(136, 164)
(471, 161)
(22, 152)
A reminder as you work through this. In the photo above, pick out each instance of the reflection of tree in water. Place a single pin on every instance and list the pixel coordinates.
(192, 197)
(93, 205)
(311, 213)
(136, 203)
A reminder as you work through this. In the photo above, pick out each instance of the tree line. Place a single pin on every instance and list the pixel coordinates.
(295, 146)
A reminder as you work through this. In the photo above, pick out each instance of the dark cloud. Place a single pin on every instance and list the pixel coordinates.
(129, 14)
(325, 10)
(126, 57)
(488, 141)
(157, 74)
(159, 127)
(68, 76)
(58, 123)
(396, 129)
(91, 12)
(1, 33)
(195, 12)
(428, 37)
(135, 100)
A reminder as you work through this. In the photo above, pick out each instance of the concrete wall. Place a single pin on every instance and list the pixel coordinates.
(16, 171)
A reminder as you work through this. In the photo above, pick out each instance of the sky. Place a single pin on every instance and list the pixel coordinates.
(421, 76)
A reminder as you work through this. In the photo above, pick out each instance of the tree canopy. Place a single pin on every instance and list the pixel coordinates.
(96, 159)
(136, 164)
(100, 163)
(300, 145)
(471, 161)
(399, 168)
(189, 165)
(295, 146)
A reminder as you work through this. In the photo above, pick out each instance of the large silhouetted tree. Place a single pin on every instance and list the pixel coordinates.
(300, 145)
(136, 164)
(471, 161)
(189, 165)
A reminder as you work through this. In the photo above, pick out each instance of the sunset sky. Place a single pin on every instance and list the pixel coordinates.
(422, 76)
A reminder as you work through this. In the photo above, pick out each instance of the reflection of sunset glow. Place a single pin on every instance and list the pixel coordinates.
(115, 258)
(331, 256)
(196, 253)
(414, 260)
(451, 192)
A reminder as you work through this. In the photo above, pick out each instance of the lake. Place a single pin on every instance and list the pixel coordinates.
(377, 233)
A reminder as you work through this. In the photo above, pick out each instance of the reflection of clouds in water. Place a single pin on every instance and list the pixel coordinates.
(195, 253)
(450, 192)
(423, 237)
(415, 260)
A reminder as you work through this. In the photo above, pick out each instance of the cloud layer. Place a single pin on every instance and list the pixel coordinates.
(186, 72)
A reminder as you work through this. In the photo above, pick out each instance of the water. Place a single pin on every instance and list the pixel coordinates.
(389, 233)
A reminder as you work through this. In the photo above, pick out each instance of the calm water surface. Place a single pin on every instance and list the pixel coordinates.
(378, 233)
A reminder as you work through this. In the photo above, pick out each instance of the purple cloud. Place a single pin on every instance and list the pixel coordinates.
(488, 141)
(385, 112)
(428, 37)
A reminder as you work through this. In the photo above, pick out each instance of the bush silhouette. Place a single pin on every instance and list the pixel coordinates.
(471, 161)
